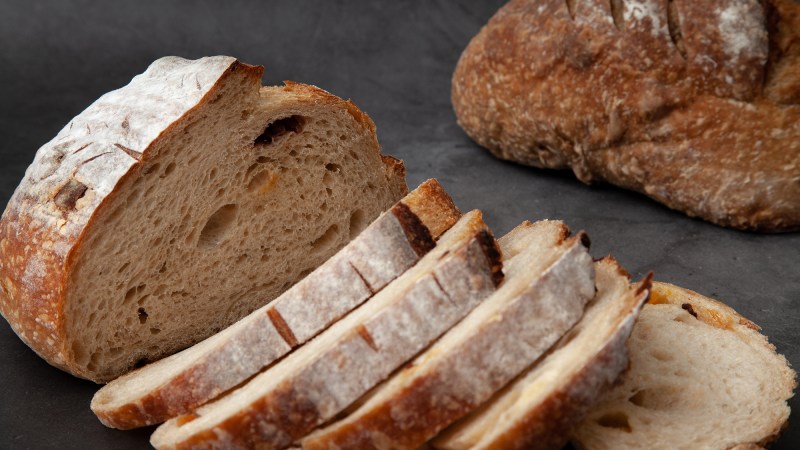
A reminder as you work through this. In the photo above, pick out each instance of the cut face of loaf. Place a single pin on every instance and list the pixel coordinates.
(174, 206)
(539, 409)
(325, 376)
(544, 291)
(181, 382)
(701, 376)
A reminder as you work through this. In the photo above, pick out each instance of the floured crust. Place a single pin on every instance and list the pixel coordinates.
(545, 420)
(486, 350)
(76, 174)
(697, 108)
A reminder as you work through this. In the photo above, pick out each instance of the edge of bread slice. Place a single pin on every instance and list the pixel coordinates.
(541, 406)
(323, 377)
(543, 294)
(179, 383)
(701, 376)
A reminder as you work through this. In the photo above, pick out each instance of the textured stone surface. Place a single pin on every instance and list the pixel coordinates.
(394, 59)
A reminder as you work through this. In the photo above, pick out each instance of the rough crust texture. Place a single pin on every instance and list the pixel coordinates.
(694, 103)
(77, 173)
(188, 379)
(682, 342)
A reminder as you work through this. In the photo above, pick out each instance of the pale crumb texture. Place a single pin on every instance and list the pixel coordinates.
(176, 205)
(701, 377)
(695, 103)
(540, 407)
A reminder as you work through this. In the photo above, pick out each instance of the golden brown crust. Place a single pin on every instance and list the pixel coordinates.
(699, 112)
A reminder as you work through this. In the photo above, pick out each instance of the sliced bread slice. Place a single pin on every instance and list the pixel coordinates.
(178, 204)
(181, 382)
(701, 376)
(539, 408)
(325, 376)
(543, 294)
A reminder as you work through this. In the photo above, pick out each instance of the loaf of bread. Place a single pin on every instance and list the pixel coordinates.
(701, 376)
(695, 103)
(179, 383)
(174, 206)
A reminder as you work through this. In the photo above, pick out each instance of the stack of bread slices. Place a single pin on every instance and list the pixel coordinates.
(426, 331)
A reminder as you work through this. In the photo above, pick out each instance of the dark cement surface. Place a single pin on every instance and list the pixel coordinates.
(394, 59)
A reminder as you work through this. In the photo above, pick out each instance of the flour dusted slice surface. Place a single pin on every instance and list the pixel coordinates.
(325, 376)
(181, 382)
(701, 376)
(539, 408)
(174, 206)
(543, 294)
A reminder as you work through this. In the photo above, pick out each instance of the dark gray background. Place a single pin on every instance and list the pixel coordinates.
(394, 59)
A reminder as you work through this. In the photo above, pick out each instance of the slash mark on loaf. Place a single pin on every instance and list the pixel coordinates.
(283, 329)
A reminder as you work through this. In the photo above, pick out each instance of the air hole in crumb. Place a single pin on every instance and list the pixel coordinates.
(246, 113)
(331, 167)
(142, 315)
(303, 274)
(169, 169)
(154, 330)
(218, 226)
(327, 239)
(618, 420)
(354, 155)
(357, 222)
(123, 267)
(263, 159)
(661, 355)
(140, 363)
(280, 127)
(657, 398)
(327, 179)
(262, 182)
(133, 293)
(329, 191)
(212, 174)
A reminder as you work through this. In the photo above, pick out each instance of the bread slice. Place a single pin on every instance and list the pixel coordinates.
(176, 205)
(539, 408)
(181, 382)
(545, 289)
(701, 376)
(326, 375)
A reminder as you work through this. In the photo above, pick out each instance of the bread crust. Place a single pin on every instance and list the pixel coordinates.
(444, 384)
(698, 108)
(74, 176)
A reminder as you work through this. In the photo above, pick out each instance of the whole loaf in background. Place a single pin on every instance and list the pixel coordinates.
(693, 103)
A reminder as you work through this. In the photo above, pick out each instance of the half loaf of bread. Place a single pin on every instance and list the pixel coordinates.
(174, 206)
(544, 291)
(384, 250)
(701, 376)
(325, 376)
